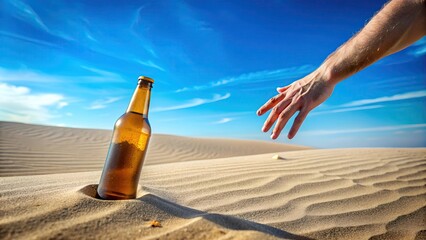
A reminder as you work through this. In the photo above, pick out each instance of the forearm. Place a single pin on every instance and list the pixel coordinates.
(397, 25)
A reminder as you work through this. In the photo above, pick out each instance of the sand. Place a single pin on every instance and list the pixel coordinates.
(304, 194)
(27, 149)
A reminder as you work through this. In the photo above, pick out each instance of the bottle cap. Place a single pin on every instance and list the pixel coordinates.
(145, 78)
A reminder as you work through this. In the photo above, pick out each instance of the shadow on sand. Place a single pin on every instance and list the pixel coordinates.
(226, 221)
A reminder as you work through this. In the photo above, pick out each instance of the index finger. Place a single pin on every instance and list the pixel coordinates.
(270, 104)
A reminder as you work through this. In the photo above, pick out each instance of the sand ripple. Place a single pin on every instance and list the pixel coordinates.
(311, 194)
(27, 149)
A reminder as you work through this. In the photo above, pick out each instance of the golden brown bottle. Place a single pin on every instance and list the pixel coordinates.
(127, 150)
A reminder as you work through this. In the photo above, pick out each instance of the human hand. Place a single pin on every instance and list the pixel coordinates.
(302, 95)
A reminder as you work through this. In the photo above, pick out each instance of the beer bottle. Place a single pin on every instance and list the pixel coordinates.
(128, 147)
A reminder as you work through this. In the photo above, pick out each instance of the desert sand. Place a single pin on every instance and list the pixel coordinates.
(27, 149)
(208, 189)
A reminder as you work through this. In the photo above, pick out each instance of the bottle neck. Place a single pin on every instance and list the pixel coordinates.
(140, 100)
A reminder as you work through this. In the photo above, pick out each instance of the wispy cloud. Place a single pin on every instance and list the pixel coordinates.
(396, 97)
(7, 75)
(26, 13)
(208, 117)
(397, 82)
(102, 103)
(28, 75)
(254, 77)
(62, 104)
(137, 25)
(359, 130)
(18, 103)
(149, 63)
(364, 104)
(419, 48)
(101, 75)
(188, 17)
(223, 120)
(350, 109)
(193, 103)
(27, 39)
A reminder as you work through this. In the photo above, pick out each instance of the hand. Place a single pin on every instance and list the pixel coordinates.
(302, 95)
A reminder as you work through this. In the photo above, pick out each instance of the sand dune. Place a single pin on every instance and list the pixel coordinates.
(27, 149)
(307, 194)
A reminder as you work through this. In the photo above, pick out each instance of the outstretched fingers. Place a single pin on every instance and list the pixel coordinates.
(298, 122)
(270, 104)
(283, 119)
(273, 115)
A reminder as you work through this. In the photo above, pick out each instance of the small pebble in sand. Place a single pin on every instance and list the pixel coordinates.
(276, 157)
(155, 223)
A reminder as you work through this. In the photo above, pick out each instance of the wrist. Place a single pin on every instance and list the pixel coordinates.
(328, 74)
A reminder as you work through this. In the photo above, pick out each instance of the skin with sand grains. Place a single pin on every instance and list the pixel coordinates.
(399, 24)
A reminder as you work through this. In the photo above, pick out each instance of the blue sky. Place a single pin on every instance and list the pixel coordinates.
(76, 63)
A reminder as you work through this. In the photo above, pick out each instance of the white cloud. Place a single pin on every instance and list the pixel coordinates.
(254, 77)
(19, 104)
(223, 120)
(7, 75)
(26, 13)
(62, 104)
(419, 51)
(358, 130)
(102, 103)
(397, 97)
(26, 39)
(350, 109)
(419, 48)
(208, 117)
(149, 63)
(139, 23)
(193, 103)
(364, 104)
(400, 132)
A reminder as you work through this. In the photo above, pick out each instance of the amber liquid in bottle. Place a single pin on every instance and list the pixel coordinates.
(127, 150)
